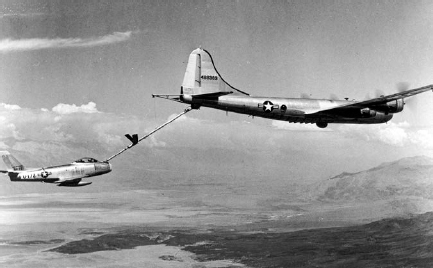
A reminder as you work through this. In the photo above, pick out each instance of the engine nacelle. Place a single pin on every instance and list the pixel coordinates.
(367, 113)
(395, 106)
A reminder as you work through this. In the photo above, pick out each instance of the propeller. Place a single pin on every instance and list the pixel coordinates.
(411, 102)
(367, 97)
(402, 86)
(378, 93)
(333, 97)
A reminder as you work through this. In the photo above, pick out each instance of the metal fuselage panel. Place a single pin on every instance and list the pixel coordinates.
(65, 172)
(287, 109)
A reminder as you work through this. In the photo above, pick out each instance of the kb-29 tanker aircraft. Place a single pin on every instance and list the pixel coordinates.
(203, 86)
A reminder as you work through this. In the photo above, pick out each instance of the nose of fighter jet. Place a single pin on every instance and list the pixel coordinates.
(103, 167)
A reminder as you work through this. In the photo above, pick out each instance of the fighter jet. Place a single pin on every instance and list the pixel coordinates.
(203, 86)
(68, 175)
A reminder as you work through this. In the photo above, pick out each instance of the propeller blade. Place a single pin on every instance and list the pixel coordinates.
(367, 96)
(378, 93)
(333, 97)
(411, 102)
(402, 86)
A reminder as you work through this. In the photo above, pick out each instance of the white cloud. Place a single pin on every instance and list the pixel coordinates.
(64, 123)
(3, 146)
(75, 126)
(395, 134)
(422, 137)
(8, 129)
(21, 15)
(62, 108)
(154, 142)
(10, 106)
(15, 45)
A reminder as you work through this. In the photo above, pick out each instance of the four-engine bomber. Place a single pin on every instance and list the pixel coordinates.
(203, 86)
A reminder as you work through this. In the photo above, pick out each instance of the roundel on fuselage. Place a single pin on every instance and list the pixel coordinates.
(268, 106)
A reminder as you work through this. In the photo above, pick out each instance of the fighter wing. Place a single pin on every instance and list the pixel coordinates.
(377, 101)
(72, 183)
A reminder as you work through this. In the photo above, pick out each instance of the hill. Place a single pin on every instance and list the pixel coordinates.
(406, 177)
(398, 188)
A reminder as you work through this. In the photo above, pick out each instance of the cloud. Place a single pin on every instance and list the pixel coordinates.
(62, 108)
(16, 45)
(72, 129)
(394, 134)
(22, 15)
(8, 129)
(10, 107)
(64, 123)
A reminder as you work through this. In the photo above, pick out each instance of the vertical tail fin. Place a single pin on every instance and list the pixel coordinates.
(201, 76)
(11, 161)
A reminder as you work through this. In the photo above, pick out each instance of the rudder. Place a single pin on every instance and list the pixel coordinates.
(11, 161)
(202, 78)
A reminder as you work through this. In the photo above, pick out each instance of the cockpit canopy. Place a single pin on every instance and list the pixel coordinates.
(86, 160)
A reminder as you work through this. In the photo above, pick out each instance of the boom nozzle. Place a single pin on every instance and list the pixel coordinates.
(135, 140)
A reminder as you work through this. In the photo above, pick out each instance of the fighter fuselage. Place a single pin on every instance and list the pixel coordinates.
(70, 171)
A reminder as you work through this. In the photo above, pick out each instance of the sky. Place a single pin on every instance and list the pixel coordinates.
(75, 76)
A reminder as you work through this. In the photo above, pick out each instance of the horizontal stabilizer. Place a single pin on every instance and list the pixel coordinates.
(133, 138)
(177, 98)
